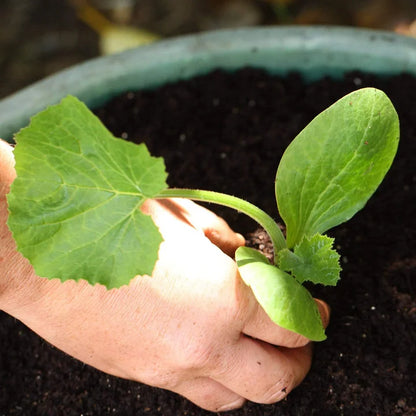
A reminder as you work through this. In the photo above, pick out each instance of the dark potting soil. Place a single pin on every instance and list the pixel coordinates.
(226, 132)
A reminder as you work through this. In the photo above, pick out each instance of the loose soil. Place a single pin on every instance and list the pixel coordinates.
(226, 132)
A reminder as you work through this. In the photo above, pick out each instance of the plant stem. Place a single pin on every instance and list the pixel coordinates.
(267, 222)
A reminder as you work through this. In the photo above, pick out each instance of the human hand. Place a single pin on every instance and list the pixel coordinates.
(194, 327)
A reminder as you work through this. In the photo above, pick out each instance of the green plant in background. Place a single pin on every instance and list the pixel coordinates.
(75, 204)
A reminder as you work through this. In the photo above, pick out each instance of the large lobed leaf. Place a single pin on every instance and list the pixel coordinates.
(75, 204)
(336, 163)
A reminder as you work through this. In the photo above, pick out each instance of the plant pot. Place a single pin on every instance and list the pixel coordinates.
(314, 53)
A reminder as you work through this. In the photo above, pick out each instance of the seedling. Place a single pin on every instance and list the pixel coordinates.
(75, 204)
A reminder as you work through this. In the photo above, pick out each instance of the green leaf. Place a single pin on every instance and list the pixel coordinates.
(75, 204)
(313, 259)
(285, 300)
(336, 163)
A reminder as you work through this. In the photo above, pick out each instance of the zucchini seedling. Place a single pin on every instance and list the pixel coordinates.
(75, 204)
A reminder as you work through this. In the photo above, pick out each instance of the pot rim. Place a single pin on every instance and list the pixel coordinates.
(313, 51)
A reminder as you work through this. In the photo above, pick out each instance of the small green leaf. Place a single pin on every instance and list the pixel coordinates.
(313, 260)
(285, 300)
(336, 163)
(75, 204)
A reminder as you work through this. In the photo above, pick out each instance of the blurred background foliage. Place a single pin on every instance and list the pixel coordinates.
(40, 37)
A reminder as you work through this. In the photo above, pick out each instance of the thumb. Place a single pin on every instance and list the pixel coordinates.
(220, 234)
(211, 225)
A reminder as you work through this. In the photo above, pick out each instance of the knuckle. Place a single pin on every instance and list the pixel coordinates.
(196, 356)
(167, 381)
(164, 379)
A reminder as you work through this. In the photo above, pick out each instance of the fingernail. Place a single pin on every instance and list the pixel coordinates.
(241, 239)
(231, 406)
(324, 310)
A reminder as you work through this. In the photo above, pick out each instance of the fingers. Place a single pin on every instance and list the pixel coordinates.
(220, 234)
(204, 220)
(214, 227)
(210, 395)
(263, 373)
